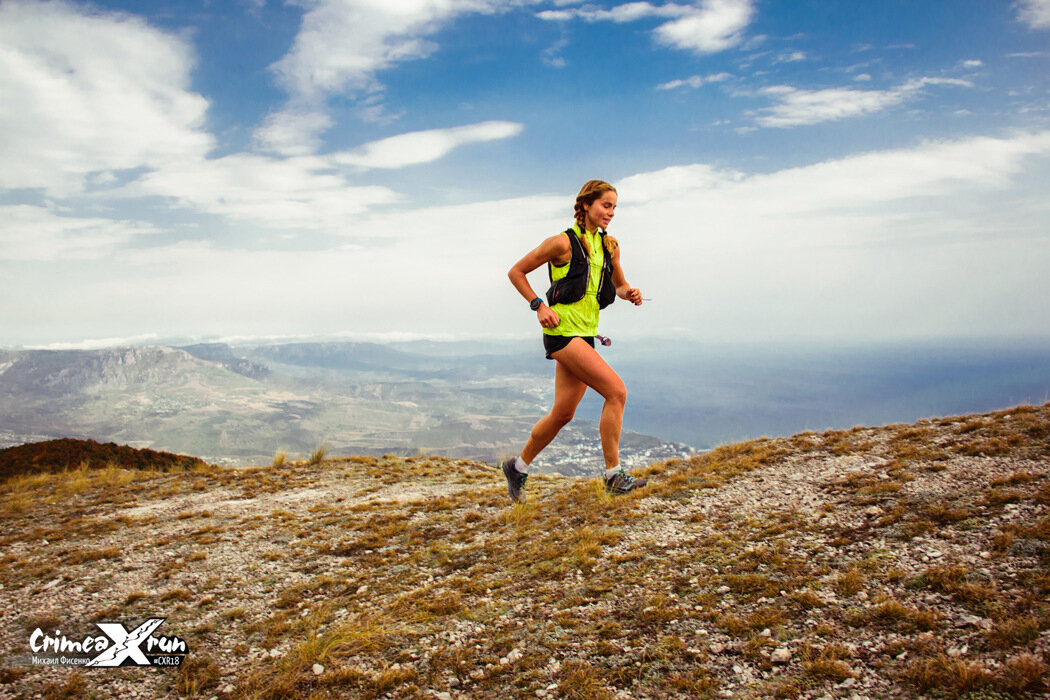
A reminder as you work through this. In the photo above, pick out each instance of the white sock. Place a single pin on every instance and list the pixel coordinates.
(610, 472)
(521, 466)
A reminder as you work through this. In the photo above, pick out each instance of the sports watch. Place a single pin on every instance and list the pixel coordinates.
(535, 303)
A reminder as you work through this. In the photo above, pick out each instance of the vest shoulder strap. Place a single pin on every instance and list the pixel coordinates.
(579, 254)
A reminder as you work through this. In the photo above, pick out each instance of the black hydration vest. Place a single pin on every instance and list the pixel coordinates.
(573, 286)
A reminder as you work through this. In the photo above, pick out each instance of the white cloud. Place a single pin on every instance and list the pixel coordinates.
(798, 107)
(85, 92)
(795, 107)
(340, 47)
(1034, 13)
(694, 81)
(293, 132)
(551, 55)
(99, 343)
(306, 192)
(296, 193)
(39, 233)
(342, 43)
(883, 244)
(902, 242)
(90, 94)
(933, 169)
(707, 26)
(628, 12)
(197, 289)
(792, 57)
(715, 25)
(558, 15)
(972, 63)
(424, 146)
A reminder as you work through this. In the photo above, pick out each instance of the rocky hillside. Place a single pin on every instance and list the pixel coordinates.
(67, 454)
(900, 561)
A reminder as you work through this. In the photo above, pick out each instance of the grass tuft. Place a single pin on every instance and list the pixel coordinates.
(318, 455)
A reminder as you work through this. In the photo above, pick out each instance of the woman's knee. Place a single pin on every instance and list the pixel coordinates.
(617, 393)
(562, 416)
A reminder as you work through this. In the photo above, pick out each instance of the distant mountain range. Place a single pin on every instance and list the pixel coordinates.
(479, 399)
(244, 404)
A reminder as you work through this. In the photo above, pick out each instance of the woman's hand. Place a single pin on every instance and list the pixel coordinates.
(547, 316)
(631, 294)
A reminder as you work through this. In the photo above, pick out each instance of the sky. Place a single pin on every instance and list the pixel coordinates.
(284, 169)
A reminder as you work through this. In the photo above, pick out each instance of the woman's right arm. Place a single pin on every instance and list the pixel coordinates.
(556, 249)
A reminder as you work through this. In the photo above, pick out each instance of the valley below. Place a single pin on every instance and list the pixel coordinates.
(244, 405)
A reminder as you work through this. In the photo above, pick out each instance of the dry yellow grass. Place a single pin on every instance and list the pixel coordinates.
(400, 576)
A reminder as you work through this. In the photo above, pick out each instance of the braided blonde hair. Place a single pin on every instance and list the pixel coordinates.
(589, 194)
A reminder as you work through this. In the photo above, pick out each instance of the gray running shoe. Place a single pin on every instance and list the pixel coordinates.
(622, 482)
(515, 480)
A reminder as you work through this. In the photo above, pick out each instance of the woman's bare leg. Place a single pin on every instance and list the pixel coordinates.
(568, 391)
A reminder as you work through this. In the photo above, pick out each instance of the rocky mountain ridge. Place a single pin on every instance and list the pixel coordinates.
(244, 405)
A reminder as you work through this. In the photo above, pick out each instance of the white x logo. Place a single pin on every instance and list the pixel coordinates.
(125, 644)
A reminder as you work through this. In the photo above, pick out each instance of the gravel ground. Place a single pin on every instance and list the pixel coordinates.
(899, 561)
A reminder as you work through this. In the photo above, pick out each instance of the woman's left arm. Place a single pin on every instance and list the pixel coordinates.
(623, 290)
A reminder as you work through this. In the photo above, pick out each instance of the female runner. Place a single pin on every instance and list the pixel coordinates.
(585, 271)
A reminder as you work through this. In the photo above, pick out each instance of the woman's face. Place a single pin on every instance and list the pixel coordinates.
(600, 212)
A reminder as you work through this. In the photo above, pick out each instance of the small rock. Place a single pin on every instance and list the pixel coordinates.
(362, 589)
(781, 656)
(227, 689)
(848, 683)
(318, 669)
(767, 633)
(717, 648)
(274, 653)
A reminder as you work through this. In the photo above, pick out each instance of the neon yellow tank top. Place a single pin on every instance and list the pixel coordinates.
(581, 317)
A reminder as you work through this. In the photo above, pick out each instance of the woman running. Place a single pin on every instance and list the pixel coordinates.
(585, 272)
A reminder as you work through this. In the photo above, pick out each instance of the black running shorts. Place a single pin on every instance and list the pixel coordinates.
(554, 343)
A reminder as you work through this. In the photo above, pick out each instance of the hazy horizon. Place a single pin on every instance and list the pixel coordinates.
(708, 393)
